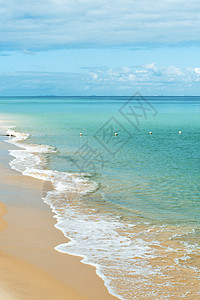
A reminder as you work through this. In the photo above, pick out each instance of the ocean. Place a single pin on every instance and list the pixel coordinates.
(126, 191)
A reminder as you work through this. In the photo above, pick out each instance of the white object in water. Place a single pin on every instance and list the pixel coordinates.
(81, 134)
(180, 132)
(150, 132)
(116, 133)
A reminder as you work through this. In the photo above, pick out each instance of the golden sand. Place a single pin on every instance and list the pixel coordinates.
(30, 267)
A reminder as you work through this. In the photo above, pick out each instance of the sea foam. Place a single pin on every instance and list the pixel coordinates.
(129, 257)
(30, 161)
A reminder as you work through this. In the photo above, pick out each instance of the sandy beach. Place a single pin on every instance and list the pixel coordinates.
(30, 267)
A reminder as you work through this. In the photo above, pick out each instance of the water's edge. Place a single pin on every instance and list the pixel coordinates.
(149, 257)
(76, 184)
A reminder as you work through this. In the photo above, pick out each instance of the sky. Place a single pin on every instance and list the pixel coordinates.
(99, 47)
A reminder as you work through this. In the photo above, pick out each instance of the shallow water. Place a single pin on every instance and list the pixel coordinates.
(129, 203)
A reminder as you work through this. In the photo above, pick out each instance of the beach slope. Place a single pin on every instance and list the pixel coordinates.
(30, 267)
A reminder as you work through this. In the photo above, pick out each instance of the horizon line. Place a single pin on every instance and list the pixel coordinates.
(55, 96)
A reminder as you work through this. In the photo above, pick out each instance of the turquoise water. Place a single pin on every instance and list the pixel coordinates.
(129, 184)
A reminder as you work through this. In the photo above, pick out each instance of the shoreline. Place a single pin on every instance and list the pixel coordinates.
(31, 268)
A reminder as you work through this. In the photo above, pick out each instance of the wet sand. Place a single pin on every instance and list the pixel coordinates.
(30, 267)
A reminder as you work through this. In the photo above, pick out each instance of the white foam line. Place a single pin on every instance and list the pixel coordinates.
(97, 241)
(85, 259)
(30, 162)
(23, 162)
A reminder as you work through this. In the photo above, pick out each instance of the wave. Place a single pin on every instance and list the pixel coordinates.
(130, 258)
(30, 161)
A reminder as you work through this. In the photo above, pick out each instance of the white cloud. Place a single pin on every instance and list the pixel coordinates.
(174, 71)
(131, 77)
(149, 73)
(197, 71)
(46, 24)
(104, 81)
(94, 76)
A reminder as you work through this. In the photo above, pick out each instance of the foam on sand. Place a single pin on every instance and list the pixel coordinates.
(136, 261)
(30, 161)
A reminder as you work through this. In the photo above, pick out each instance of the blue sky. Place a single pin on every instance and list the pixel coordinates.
(71, 47)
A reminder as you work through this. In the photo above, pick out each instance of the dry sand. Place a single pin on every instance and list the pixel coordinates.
(30, 267)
